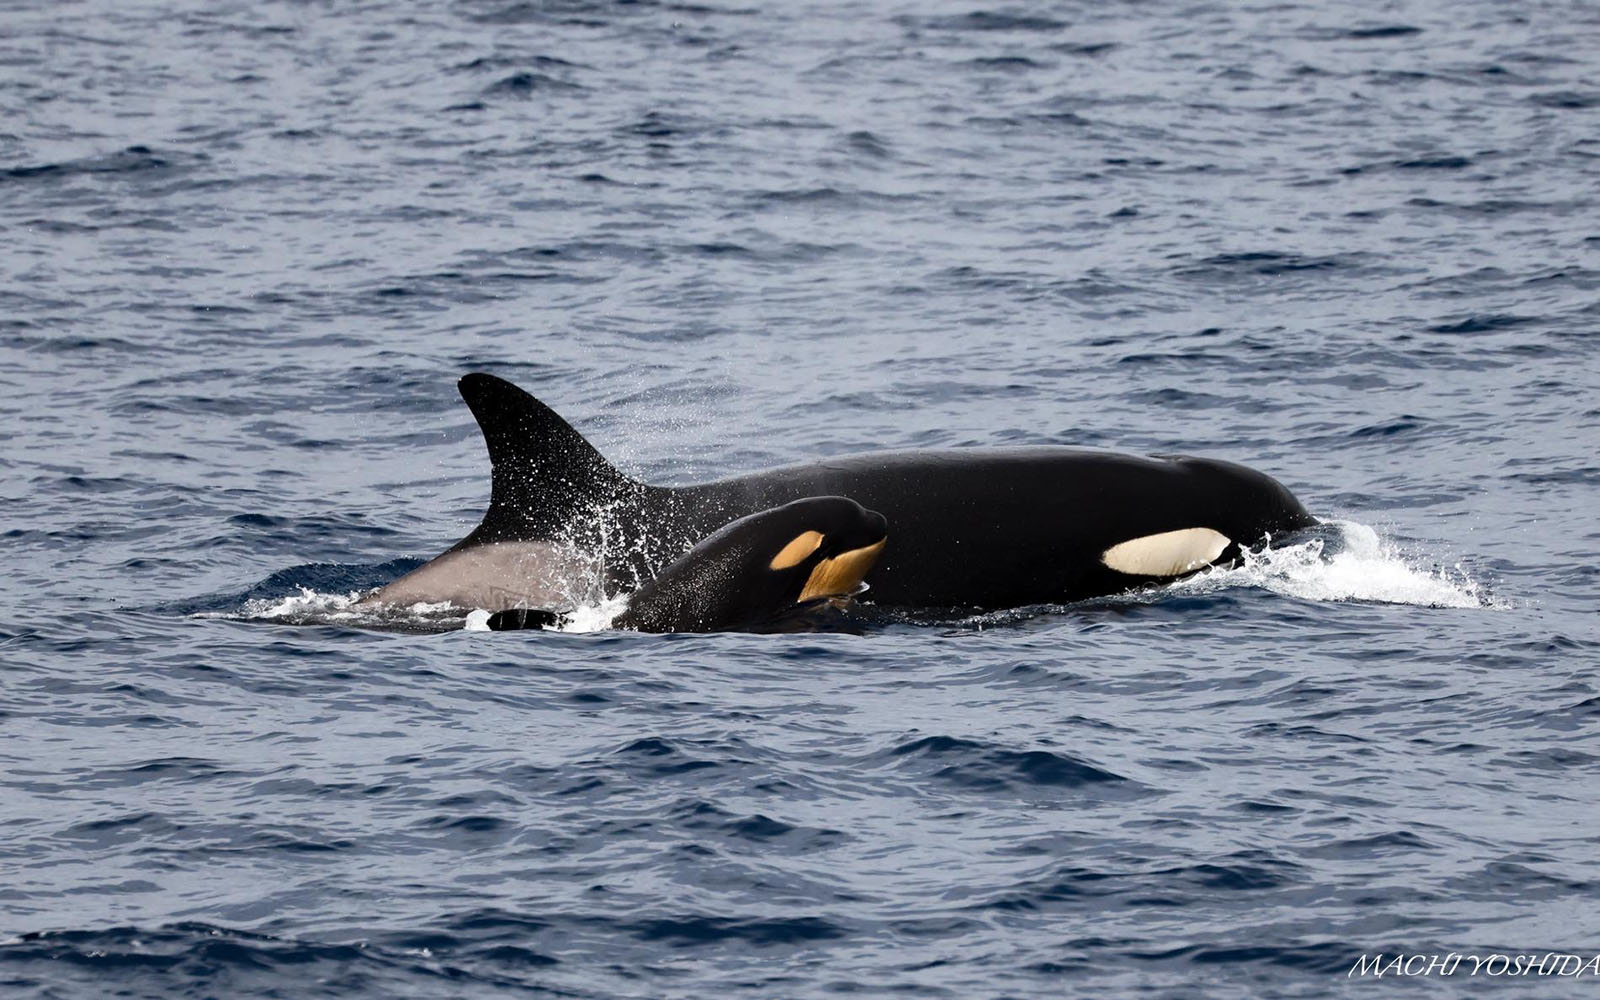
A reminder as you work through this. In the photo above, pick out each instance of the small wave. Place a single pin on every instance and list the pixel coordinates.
(1352, 564)
(132, 160)
(984, 767)
(1566, 100)
(527, 83)
(693, 930)
(984, 20)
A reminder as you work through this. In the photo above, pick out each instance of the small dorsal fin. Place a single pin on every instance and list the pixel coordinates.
(544, 474)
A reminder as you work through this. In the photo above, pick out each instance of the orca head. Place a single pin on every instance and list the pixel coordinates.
(761, 566)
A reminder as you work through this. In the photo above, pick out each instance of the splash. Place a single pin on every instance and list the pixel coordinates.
(312, 607)
(585, 618)
(595, 617)
(1349, 562)
(304, 606)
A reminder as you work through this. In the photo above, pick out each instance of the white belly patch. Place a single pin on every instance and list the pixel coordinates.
(1170, 553)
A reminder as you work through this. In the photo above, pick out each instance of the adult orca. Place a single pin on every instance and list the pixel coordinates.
(977, 528)
(748, 575)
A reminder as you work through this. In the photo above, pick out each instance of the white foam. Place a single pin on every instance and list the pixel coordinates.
(1359, 566)
(310, 607)
(585, 618)
(306, 604)
(595, 617)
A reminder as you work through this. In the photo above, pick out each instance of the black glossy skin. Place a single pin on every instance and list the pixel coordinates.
(727, 580)
(969, 527)
(999, 528)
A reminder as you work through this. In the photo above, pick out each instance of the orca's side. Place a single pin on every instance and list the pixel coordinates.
(970, 527)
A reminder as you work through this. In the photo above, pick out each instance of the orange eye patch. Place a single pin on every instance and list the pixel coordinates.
(796, 551)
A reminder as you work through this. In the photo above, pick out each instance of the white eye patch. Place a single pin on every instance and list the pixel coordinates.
(1169, 553)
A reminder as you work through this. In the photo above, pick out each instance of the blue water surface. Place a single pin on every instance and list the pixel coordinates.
(248, 247)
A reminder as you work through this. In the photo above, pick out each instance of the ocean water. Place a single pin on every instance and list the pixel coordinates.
(248, 248)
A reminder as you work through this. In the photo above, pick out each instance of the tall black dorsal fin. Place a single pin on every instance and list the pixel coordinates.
(545, 475)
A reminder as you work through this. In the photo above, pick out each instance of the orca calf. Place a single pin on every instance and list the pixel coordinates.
(981, 528)
(750, 574)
